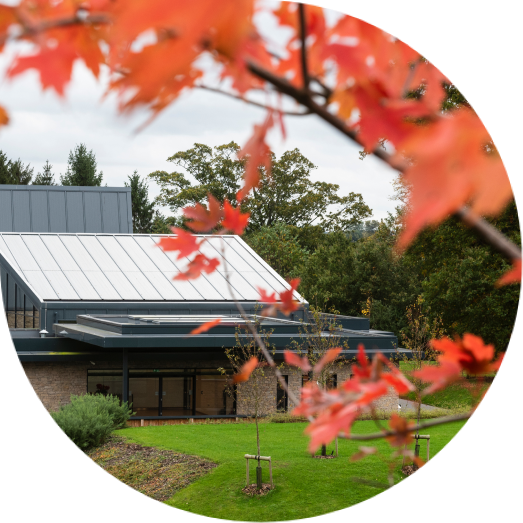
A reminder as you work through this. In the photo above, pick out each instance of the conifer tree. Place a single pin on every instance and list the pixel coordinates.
(14, 173)
(143, 210)
(46, 177)
(81, 168)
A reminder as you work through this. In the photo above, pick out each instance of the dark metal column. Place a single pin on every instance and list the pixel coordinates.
(125, 377)
(16, 310)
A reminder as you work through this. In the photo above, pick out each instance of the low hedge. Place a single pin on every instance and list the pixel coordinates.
(87, 420)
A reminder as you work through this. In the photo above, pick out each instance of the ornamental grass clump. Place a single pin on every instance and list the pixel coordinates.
(89, 419)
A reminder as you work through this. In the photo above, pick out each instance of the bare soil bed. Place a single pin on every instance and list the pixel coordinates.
(154, 472)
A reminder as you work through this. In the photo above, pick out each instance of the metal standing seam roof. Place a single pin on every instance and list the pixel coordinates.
(126, 267)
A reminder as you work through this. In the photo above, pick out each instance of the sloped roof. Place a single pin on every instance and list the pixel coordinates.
(125, 267)
(48, 208)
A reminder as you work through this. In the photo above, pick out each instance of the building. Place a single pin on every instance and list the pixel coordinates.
(99, 312)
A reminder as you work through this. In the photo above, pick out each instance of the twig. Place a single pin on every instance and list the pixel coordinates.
(252, 102)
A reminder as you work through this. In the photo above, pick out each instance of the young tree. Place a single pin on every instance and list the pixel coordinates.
(81, 168)
(46, 177)
(14, 172)
(143, 209)
(316, 346)
(253, 393)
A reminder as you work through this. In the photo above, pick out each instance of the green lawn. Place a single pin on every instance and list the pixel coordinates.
(305, 487)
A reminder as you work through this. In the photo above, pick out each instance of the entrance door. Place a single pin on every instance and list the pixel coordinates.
(177, 396)
(144, 394)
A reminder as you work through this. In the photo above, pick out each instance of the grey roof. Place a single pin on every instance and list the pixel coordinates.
(124, 267)
(45, 208)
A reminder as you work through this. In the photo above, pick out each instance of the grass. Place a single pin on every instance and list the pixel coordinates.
(304, 487)
(462, 395)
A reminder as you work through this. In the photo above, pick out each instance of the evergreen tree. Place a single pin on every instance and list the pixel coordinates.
(81, 168)
(14, 173)
(46, 177)
(143, 210)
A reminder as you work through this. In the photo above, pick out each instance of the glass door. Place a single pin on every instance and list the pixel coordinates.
(145, 394)
(177, 396)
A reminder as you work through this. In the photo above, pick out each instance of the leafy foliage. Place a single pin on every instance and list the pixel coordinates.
(88, 420)
(81, 168)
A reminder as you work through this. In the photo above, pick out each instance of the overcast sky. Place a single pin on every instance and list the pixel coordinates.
(45, 127)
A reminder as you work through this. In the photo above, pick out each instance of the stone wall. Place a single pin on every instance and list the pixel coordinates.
(55, 382)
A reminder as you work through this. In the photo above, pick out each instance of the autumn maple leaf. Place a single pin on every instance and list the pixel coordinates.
(327, 358)
(403, 431)
(246, 370)
(291, 358)
(204, 327)
(257, 152)
(199, 264)
(512, 276)
(234, 220)
(202, 219)
(184, 242)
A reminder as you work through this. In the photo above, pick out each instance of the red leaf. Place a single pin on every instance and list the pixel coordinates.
(204, 327)
(291, 358)
(266, 298)
(440, 376)
(203, 220)
(234, 220)
(4, 117)
(512, 276)
(327, 358)
(184, 242)
(287, 303)
(53, 64)
(363, 453)
(450, 167)
(199, 264)
(403, 431)
(245, 371)
(257, 152)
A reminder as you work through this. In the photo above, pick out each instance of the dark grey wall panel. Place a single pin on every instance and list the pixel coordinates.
(75, 215)
(125, 212)
(21, 211)
(39, 212)
(44, 208)
(110, 215)
(93, 212)
(57, 218)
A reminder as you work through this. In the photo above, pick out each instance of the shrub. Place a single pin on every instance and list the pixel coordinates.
(89, 419)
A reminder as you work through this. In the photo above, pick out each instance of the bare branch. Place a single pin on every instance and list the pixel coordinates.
(303, 38)
(251, 102)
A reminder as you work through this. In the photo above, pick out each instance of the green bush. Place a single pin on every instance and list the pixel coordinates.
(89, 419)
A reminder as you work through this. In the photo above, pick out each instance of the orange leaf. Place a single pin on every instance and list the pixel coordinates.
(199, 264)
(245, 371)
(403, 430)
(451, 168)
(257, 152)
(54, 65)
(203, 220)
(363, 453)
(184, 242)
(287, 303)
(512, 276)
(204, 327)
(327, 358)
(234, 220)
(266, 298)
(440, 376)
(291, 358)
(4, 117)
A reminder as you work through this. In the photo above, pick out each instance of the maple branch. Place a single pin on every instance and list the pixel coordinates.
(385, 433)
(489, 233)
(303, 38)
(252, 102)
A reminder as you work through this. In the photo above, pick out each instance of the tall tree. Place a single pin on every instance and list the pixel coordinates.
(142, 208)
(14, 172)
(81, 168)
(46, 177)
(287, 196)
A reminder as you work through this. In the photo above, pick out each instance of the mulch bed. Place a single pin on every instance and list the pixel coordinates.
(408, 470)
(324, 457)
(156, 473)
(251, 490)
